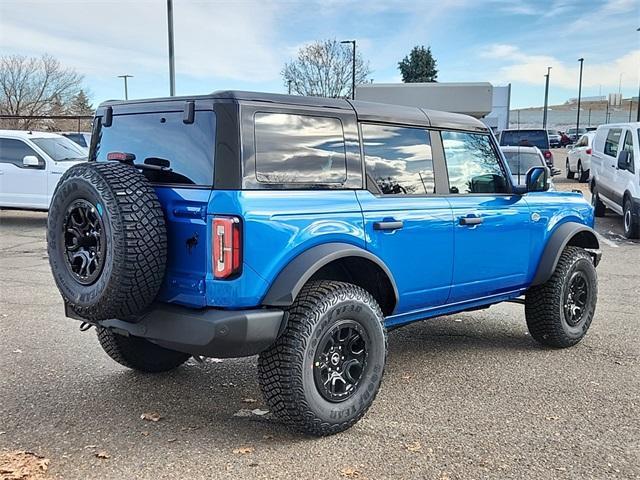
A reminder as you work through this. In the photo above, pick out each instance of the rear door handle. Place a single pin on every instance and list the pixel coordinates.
(471, 220)
(389, 225)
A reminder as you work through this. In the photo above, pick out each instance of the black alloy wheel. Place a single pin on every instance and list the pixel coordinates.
(84, 245)
(575, 298)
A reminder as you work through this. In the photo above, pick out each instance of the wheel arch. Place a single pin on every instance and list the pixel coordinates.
(572, 234)
(334, 261)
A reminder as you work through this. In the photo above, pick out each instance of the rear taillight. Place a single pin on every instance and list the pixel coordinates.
(227, 246)
(588, 151)
(547, 154)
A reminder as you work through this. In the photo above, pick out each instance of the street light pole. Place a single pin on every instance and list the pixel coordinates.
(546, 99)
(126, 90)
(172, 63)
(581, 60)
(353, 68)
(289, 83)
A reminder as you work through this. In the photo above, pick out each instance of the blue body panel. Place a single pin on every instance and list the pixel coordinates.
(439, 266)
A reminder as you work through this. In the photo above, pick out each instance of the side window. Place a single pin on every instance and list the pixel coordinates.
(294, 148)
(472, 163)
(612, 141)
(13, 151)
(628, 147)
(398, 159)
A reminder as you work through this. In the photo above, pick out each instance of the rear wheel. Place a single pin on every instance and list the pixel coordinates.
(599, 209)
(582, 175)
(631, 228)
(559, 312)
(139, 354)
(325, 370)
(570, 174)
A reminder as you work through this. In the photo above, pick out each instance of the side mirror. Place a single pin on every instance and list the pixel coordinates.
(31, 161)
(537, 179)
(623, 160)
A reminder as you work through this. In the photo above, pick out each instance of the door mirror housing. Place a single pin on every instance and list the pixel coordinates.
(623, 160)
(537, 179)
(31, 161)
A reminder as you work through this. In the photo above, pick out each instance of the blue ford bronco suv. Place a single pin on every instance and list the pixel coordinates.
(301, 229)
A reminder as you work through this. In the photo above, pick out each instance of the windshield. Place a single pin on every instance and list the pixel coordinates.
(520, 163)
(61, 149)
(525, 138)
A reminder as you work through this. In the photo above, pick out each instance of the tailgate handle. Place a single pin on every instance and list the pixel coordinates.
(389, 225)
(471, 221)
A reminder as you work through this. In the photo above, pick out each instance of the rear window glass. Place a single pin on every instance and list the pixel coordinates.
(525, 138)
(299, 149)
(161, 139)
(520, 163)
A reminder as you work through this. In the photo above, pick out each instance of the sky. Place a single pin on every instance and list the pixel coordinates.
(244, 44)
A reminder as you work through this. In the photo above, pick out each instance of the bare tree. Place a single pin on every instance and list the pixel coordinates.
(35, 86)
(323, 69)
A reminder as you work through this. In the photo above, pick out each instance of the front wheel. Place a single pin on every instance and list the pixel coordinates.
(631, 227)
(559, 312)
(323, 373)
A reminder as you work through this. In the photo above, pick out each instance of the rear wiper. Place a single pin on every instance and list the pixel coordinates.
(155, 163)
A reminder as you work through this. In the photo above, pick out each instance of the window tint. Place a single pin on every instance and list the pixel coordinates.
(61, 149)
(525, 138)
(612, 141)
(299, 149)
(13, 151)
(153, 137)
(521, 162)
(628, 147)
(472, 164)
(398, 159)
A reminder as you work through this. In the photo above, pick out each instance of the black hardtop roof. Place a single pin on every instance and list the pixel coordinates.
(367, 111)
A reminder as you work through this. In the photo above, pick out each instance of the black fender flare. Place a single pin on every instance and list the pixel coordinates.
(298, 271)
(559, 239)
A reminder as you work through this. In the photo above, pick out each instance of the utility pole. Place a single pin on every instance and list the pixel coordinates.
(353, 68)
(289, 84)
(581, 60)
(126, 90)
(546, 99)
(172, 62)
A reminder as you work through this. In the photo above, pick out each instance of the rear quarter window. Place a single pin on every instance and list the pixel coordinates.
(299, 149)
(151, 137)
(612, 142)
(525, 138)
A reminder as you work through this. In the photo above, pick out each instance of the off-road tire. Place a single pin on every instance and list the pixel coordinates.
(139, 354)
(599, 208)
(630, 220)
(135, 239)
(286, 369)
(570, 175)
(544, 304)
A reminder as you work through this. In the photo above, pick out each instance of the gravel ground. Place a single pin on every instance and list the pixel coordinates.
(466, 396)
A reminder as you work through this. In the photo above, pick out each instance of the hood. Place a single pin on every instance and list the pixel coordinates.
(61, 167)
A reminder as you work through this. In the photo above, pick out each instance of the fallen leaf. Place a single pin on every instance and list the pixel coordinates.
(171, 439)
(406, 377)
(90, 446)
(243, 450)
(151, 416)
(259, 412)
(146, 434)
(413, 447)
(17, 350)
(102, 455)
(249, 400)
(350, 472)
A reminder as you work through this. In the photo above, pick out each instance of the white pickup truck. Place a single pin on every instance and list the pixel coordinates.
(31, 163)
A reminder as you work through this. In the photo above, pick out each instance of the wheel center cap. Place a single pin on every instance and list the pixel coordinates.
(335, 358)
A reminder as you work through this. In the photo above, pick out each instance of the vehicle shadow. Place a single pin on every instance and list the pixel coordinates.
(21, 218)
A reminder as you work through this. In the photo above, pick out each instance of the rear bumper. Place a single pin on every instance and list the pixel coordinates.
(208, 332)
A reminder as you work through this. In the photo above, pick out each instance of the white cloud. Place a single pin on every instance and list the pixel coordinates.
(521, 67)
(226, 40)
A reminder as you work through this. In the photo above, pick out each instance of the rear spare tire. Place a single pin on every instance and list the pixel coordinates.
(107, 241)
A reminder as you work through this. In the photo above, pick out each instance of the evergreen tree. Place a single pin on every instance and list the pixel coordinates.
(418, 66)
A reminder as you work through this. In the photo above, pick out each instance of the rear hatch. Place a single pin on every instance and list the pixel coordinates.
(176, 154)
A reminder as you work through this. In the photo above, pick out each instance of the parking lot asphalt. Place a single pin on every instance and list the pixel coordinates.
(465, 396)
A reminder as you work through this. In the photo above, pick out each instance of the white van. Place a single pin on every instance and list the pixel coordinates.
(615, 173)
(31, 164)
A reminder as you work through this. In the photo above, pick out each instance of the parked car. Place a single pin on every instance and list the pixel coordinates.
(31, 163)
(522, 159)
(615, 177)
(579, 158)
(81, 138)
(575, 133)
(529, 138)
(554, 138)
(300, 228)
